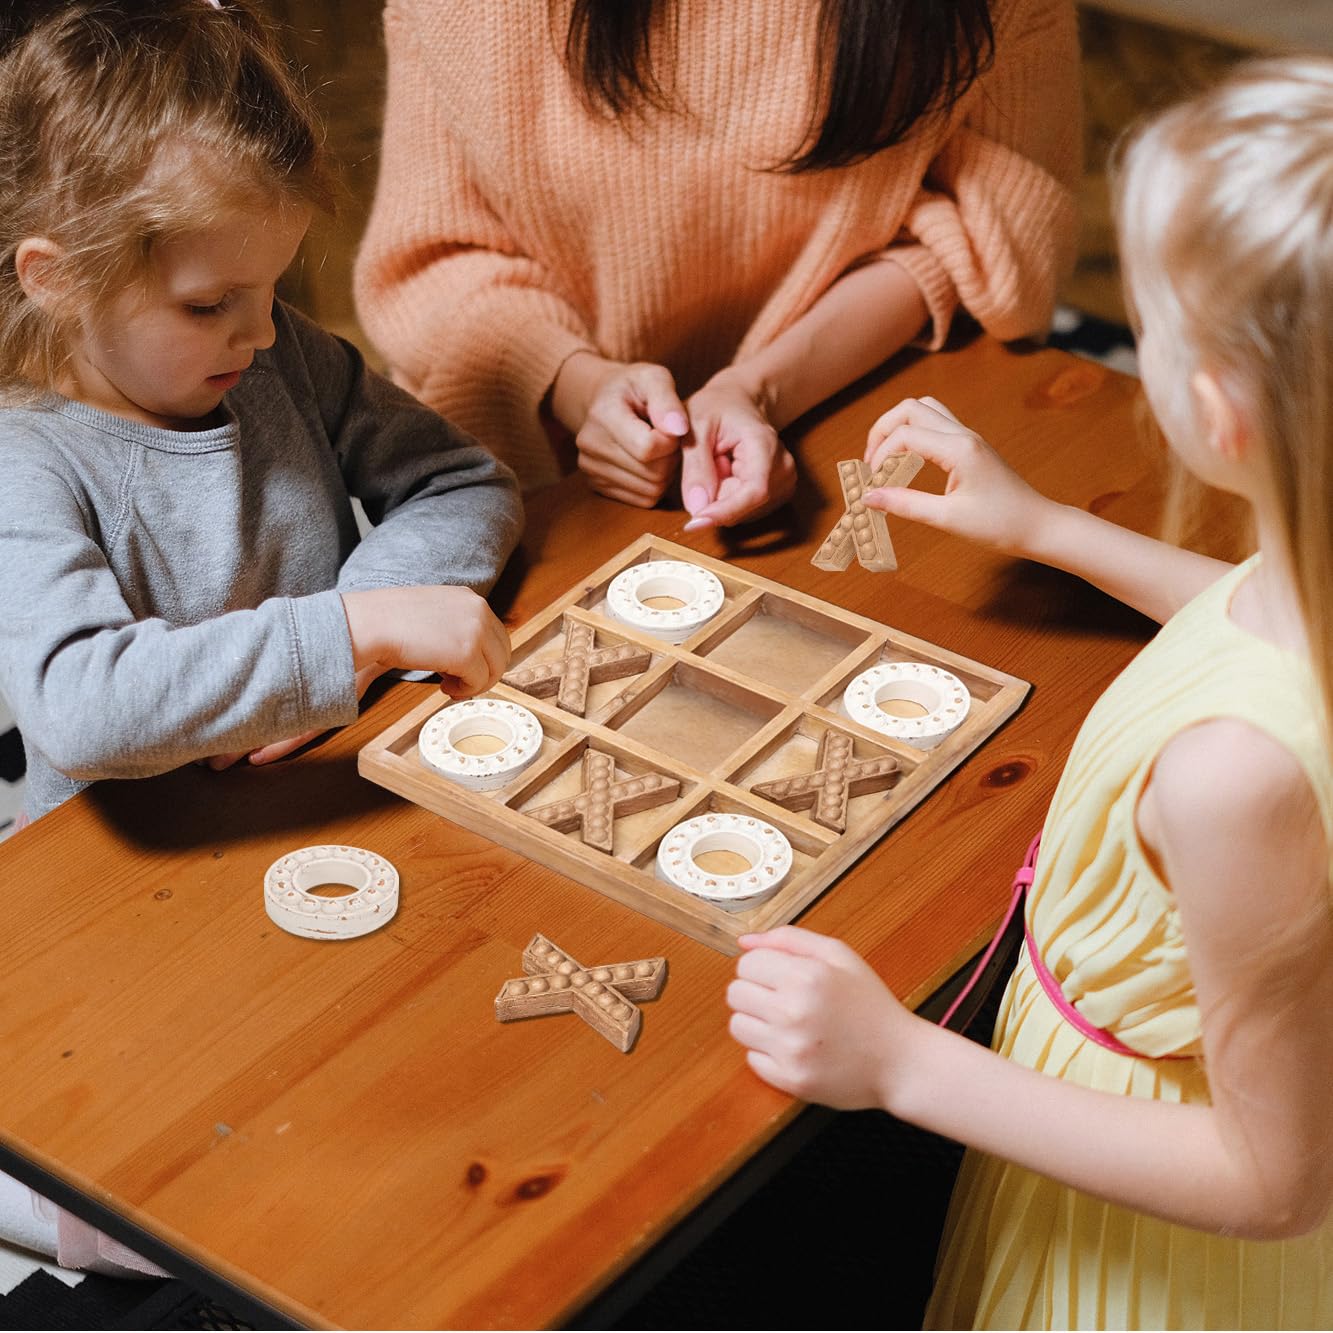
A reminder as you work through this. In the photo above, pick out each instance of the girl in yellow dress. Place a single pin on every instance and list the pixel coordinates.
(1151, 1142)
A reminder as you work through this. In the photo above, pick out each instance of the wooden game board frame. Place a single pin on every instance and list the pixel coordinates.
(783, 717)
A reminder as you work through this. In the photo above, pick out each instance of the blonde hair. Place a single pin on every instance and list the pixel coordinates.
(1225, 214)
(126, 122)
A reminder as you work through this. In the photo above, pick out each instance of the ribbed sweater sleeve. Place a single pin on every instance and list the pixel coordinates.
(485, 356)
(994, 223)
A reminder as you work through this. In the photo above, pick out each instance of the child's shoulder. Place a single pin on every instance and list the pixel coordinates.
(34, 438)
(1228, 801)
(1227, 769)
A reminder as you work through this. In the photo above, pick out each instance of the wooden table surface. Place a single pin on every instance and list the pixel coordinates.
(343, 1129)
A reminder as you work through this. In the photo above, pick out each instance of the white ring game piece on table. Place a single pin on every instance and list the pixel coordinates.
(517, 729)
(699, 590)
(939, 692)
(764, 847)
(290, 904)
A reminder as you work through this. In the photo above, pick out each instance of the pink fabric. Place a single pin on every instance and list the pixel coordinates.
(84, 1247)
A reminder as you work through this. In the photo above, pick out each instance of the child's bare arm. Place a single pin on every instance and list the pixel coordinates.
(986, 501)
(1249, 868)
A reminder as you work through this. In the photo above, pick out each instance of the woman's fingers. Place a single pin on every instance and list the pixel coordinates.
(698, 480)
(662, 405)
(615, 473)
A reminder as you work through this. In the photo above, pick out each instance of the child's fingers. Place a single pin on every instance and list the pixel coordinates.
(945, 449)
(903, 502)
(269, 754)
(773, 968)
(939, 407)
(751, 1032)
(802, 943)
(909, 412)
(769, 1070)
(220, 761)
(496, 648)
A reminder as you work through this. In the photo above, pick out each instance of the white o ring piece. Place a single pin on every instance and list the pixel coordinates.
(940, 693)
(290, 904)
(509, 723)
(764, 847)
(699, 591)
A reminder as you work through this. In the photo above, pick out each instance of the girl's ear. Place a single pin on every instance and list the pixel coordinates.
(37, 263)
(1225, 427)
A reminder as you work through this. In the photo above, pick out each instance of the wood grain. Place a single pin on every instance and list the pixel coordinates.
(342, 1127)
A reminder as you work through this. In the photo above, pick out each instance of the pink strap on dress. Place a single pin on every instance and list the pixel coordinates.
(1022, 882)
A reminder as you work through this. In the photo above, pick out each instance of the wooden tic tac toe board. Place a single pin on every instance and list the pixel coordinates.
(745, 700)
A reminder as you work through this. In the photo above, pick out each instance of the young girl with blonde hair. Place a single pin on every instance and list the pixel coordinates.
(1150, 1139)
(182, 575)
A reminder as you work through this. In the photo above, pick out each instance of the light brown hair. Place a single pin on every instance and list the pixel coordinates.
(123, 123)
(1225, 213)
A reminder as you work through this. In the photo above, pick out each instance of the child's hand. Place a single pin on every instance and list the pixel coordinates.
(818, 1022)
(735, 466)
(627, 421)
(985, 499)
(448, 630)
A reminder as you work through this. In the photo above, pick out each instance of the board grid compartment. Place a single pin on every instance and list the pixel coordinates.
(748, 727)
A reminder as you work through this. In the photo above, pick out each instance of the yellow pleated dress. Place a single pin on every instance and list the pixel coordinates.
(1020, 1250)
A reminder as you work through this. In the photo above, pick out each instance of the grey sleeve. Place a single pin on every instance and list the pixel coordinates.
(445, 510)
(102, 695)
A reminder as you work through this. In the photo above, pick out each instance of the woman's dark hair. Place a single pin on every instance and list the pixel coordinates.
(881, 67)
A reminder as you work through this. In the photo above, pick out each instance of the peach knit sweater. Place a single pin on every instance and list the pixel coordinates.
(512, 226)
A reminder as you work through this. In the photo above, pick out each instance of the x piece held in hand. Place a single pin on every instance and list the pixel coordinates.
(861, 531)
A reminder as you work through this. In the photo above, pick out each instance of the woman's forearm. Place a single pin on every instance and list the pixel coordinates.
(860, 321)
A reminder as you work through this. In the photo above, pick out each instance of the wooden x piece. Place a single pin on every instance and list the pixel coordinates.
(603, 800)
(604, 997)
(580, 665)
(836, 778)
(862, 532)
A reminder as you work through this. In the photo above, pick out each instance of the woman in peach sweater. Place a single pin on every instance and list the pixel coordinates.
(671, 228)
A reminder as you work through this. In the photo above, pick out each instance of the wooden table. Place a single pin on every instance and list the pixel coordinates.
(342, 1129)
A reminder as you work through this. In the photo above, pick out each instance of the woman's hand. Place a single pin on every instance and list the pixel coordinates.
(817, 1021)
(984, 500)
(734, 466)
(627, 421)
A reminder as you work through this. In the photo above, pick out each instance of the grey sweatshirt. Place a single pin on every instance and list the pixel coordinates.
(168, 595)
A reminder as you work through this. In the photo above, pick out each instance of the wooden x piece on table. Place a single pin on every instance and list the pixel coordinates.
(602, 996)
